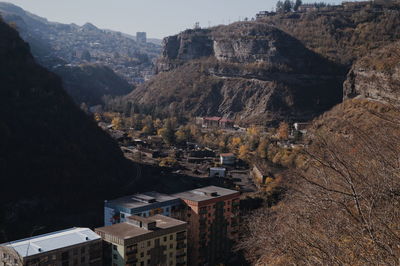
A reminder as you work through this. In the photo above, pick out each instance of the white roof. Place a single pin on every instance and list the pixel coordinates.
(218, 169)
(52, 241)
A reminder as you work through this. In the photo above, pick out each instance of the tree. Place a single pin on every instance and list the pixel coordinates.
(297, 4)
(183, 135)
(343, 208)
(279, 6)
(117, 123)
(283, 131)
(244, 152)
(168, 132)
(262, 149)
(287, 6)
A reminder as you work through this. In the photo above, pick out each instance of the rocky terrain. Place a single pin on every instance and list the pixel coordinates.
(376, 76)
(247, 71)
(60, 46)
(342, 33)
(284, 66)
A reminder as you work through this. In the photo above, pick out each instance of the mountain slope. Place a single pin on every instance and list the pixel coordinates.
(248, 71)
(376, 76)
(65, 48)
(343, 34)
(90, 83)
(56, 165)
(342, 208)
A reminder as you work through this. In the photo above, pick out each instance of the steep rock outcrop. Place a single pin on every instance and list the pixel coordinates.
(188, 45)
(248, 71)
(376, 76)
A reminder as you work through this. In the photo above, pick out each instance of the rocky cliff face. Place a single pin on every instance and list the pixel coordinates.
(189, 45)
(249, 71)
(376, 76)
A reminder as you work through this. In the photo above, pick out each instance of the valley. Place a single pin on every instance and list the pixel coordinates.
(267, 141)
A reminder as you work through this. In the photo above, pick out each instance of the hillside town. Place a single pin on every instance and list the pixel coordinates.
(194, 227)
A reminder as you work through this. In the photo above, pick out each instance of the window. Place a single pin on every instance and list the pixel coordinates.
(115, 247)
(148, 262)
(115, 257)
(148, 243)
(142, 245)
(142, 263)
(148, 252)
(82, 250)
(64, 256)
(53, 257)
(142, 254)
(171, 237)
(171, 254)
(167, 209)
(171, 245)
(83, 259)
(122, 215)
(165, 239)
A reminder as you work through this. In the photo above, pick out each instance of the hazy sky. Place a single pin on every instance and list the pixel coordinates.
(159, 18)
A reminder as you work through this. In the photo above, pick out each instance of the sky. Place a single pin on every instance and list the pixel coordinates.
(159, 18)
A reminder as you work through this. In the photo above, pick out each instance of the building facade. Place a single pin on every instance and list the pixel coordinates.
(75, 246)
(227, 158)
(156, 240)
(143, 204)
(212, 214)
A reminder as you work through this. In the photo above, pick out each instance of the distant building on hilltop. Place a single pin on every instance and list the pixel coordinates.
(143, 204)
(158, 240)
(75, 246)
(141, 37)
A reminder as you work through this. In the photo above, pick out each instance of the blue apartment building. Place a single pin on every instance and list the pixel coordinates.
(142, 204)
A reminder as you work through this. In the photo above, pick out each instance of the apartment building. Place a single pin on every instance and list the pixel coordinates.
(75, 246)
(212, 215)
(142, 204)
(156, 240)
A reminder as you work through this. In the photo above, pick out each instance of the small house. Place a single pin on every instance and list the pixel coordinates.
(217, 172)
(227, 158)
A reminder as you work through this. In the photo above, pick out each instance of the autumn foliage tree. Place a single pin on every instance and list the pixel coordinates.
(343, 208)
(283, 131)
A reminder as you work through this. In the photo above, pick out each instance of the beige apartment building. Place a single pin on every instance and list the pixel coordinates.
(155, 240)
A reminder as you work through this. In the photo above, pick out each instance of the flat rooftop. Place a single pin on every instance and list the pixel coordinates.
(52, 241)
(140, 200)
(205, 193)
(127, 230)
